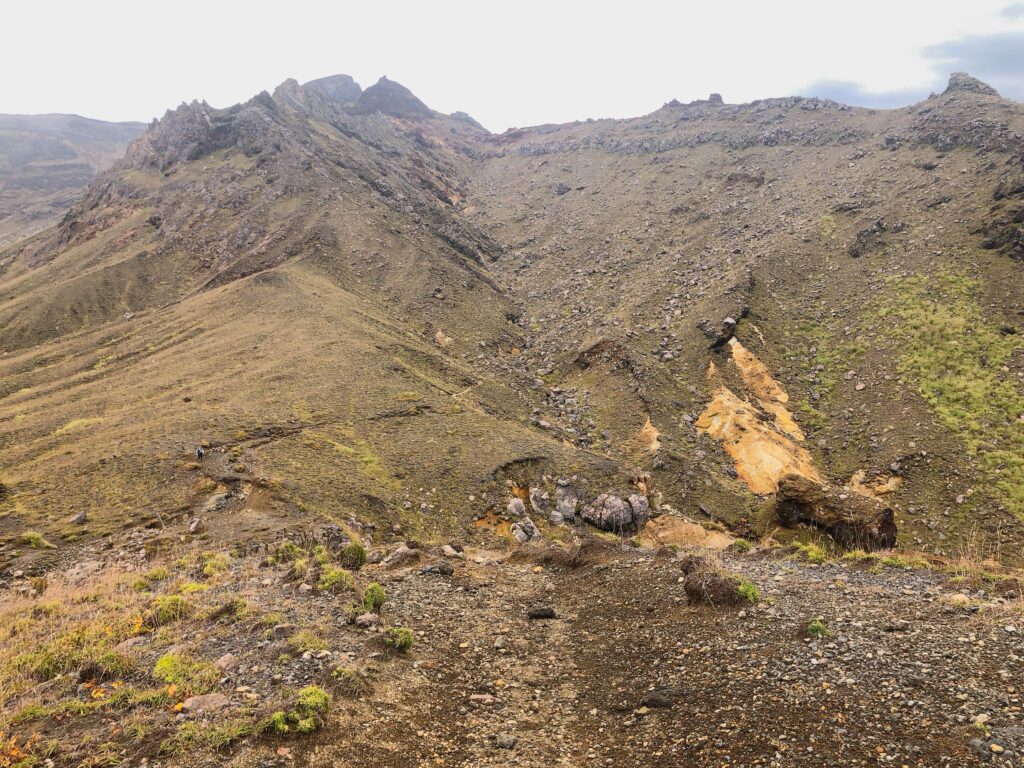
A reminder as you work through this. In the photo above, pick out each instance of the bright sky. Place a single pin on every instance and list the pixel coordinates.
(507, 64)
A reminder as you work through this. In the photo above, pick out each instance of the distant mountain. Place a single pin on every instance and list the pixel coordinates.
(46, 161)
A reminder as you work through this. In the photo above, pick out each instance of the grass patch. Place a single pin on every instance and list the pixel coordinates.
(187, 674)
(749, 591)
(306, 714)
(813, 553)
(35, 540)
(75, 424)
(374, 597)
(167, 609)
(818, 628)
(335, 580)
(401, 639)
(306, 640)
(956, 355)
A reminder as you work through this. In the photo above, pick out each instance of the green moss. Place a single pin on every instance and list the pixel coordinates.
(374, 597)
(399, 638)
(740, 546)
(189, 674)
(749, 591)
(956, 355)
(307, 712)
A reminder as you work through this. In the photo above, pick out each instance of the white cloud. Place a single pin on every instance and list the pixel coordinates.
(508, 64)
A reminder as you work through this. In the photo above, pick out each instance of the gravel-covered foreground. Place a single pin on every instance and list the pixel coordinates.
(627, 673)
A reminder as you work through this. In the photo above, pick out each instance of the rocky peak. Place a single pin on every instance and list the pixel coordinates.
(961, 81)
(390, 98)
(341, 89)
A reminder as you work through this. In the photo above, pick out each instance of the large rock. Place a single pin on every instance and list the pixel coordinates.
(524, 530)
(566, 501)
(851, 519)
(611, 513)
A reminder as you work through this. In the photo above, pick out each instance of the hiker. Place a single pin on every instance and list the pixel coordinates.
(200, 452)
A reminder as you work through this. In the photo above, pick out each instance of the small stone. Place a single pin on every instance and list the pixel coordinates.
(208, 702)
(283, 631)
(541, 612)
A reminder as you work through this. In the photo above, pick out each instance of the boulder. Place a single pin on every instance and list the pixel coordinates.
(854, 521)
(524, 530)
(611, 513)
(516, 508)
(566, 501)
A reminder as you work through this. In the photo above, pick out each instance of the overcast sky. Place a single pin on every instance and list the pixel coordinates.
(507, 64)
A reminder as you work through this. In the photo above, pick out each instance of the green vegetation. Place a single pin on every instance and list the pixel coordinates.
(749, 591)
(740, 546)
(36, 540)
(307, 640)
(167, 609)
(374, 597)
(956, 355)
(86, 649)
(353, 556)
(307, 713)
(189, 674)
(401, 639)
(811, 552)
(193, 734)
(149, 579)
(214, 563)
(334, 580)
(818, 628)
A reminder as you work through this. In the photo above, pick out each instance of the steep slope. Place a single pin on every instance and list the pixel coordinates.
(558, 447)
(378, 311)
(844, 247)
(47, 160)
(289, 284)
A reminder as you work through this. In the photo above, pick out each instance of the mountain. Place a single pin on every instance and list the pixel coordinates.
(47, 160)
(558, 388)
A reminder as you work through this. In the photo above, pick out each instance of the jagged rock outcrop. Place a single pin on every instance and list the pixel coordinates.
(961, 81)
(390, 98)
(852, 520)
(341, 89)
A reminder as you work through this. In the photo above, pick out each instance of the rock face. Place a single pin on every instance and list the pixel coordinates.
(390, 98)
(566, 501)
(611, 513)
(961, 81)
(341, 89)
(853, 520)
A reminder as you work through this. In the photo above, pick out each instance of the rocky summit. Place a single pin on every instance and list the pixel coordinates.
(338, 431)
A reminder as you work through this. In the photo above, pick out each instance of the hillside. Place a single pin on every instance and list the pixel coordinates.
(47, 160)
(540, 369)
